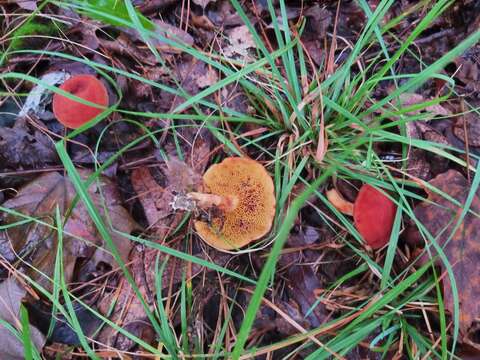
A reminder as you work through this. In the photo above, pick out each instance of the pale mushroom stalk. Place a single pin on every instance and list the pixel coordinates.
(207, 201)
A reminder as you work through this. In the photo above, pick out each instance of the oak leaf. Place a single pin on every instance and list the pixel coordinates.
(439, 216)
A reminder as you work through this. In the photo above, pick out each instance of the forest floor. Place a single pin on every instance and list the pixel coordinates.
(99, 260)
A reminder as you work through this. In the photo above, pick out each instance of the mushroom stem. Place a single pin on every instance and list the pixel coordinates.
(339, 202)
(205, 201)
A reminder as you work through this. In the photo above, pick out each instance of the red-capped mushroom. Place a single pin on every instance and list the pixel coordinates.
(373, 215)
(73, 114)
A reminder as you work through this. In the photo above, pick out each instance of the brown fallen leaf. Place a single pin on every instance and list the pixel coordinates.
(418, 166)
(302, 283)
(37, 243)
(203, 3)
(172, 33)
(470, 122)
(423, 164)
(11, 295)
(24, 148)
(128, 311)
(241, 41)
(410, 99)
(468, 71)
(30, 5)
(156, 199)
(463, 250)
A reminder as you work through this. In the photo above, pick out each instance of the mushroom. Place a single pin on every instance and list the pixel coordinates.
(373, 216)
(242, 190)
(339, 202)
(73, 114)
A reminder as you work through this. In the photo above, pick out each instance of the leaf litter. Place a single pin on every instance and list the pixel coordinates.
(314, 257)
(11, 296)
(36, 240)
(440, 216)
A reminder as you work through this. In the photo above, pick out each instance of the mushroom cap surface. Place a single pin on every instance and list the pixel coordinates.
(73, 114)
(249, 182)
(373, 215)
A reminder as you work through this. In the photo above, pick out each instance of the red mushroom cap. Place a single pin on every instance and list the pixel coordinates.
(373, 215)
(73, 114)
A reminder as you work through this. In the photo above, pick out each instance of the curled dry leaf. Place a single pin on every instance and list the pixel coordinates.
(463, 250)
(37, 243)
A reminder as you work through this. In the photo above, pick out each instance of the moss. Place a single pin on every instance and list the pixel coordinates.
(31, 28)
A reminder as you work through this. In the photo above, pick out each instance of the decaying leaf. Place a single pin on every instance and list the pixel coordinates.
(439, 216)
(241, 41)
(410, 99)
(22, 148)
(208, 79)
(471, 123)
(421, 163)
(30, 5)
(468, 72)
(181, 177)
(129, 312)
(302, 284)
(37, 243)
(11, 295)
(418, 165)
(156, 199)
(172, 33)
(203, 3)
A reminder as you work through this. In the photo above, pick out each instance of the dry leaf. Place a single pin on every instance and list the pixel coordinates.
(156, 200)
(463, 250)
(11, 295)
(30, 5)
(203, 3)
(410, 99)
(470, 121)
(172, 33)
(23, 148)
(423, 164)
(208, 79)
(38, 243)
(241, 41)
(129, 312)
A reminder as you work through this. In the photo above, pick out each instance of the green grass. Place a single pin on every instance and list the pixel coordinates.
(296, 105)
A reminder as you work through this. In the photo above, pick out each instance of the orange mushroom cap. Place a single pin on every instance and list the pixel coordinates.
(251, 188)
(73, 114)
(373, 215)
